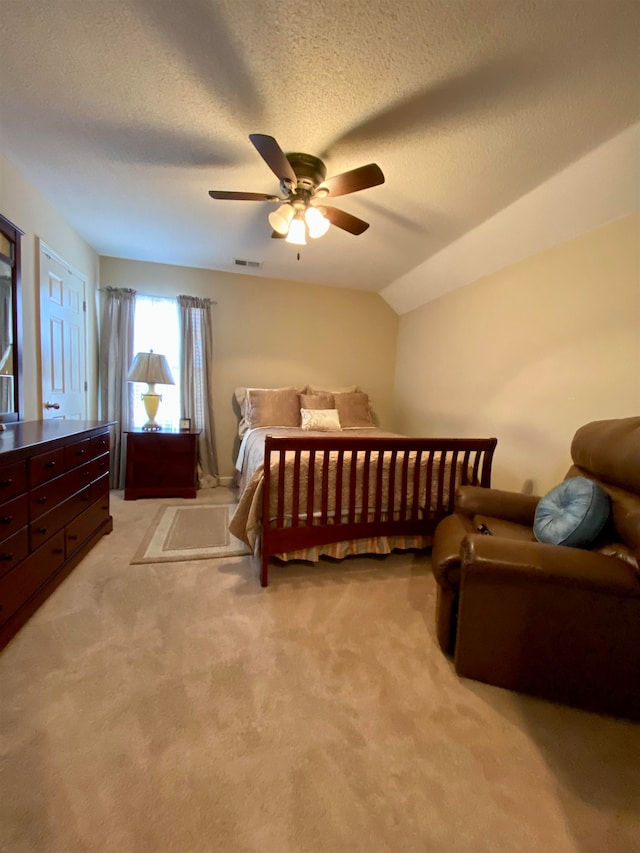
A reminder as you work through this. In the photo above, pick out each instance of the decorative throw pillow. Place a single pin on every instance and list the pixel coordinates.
(573, 513)
(354, 410)
(272, 408)
(326, 420)
(316, 401)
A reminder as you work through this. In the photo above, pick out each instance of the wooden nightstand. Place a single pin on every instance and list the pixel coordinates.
(161, 464)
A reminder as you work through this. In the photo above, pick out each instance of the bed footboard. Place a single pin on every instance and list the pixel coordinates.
(323, 490)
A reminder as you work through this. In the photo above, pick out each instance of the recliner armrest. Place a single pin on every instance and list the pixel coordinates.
(492, 559)
(512, 506)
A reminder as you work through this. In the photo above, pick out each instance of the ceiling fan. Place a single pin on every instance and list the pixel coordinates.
(304, 187)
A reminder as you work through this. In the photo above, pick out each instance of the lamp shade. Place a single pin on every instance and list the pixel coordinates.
(150, 367)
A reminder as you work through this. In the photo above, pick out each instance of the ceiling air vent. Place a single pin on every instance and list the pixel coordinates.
(254, 265)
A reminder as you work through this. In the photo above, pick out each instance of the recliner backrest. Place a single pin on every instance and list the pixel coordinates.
(610, 451)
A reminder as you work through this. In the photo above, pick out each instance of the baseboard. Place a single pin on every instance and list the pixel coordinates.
(226, 481)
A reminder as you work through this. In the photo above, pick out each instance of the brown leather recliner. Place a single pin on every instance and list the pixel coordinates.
(554, 621)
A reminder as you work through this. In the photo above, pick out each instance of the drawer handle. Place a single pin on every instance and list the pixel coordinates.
(6, 557)
(6, 519)
(71, 536)
(49, 464)
(86, 474)
(42, 500)
(57, 551)
(80, 452)
(6, 483)
(41, 530)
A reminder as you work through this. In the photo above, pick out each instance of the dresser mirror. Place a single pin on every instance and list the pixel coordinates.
(10, 321)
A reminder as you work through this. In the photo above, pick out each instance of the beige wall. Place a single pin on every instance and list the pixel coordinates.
(528, 354)
(269, 333)
(31, 212)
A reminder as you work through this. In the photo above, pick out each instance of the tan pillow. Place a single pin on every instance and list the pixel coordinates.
(354, 410)
(316, 401)
(241, 395)
(272, 407)
(326, 420)
(315, 389)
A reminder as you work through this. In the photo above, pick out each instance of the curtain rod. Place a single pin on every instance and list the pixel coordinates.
(153, 295)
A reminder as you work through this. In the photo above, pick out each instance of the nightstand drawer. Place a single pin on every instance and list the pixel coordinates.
(161, 464)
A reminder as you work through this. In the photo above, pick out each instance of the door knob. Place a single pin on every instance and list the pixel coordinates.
(52, 405)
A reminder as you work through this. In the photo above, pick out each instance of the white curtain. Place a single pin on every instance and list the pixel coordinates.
(116, 355)
(196, 368)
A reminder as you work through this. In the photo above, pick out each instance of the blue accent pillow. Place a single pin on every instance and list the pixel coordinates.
(572, 513)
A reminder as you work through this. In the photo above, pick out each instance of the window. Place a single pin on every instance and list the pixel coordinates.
(156, 327)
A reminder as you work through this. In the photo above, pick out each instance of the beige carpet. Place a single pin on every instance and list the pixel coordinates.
(145, 709)
(189, 532)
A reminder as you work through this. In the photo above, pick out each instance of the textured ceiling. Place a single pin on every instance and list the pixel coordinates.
(124, 113)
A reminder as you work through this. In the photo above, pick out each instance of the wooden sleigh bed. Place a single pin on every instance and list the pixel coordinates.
(304, 494)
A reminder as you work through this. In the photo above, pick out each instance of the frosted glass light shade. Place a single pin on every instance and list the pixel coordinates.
(297, 231)
(279, 219)
(316, 222)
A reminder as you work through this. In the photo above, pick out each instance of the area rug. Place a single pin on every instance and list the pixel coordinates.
(181, 532)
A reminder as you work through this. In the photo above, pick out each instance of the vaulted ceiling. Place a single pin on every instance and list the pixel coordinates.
(125, 113)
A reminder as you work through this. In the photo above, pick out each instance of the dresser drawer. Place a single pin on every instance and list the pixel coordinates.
(83, 451)
(13, 480)
(20, 584)
(45, 526)
(100, 444)
(100, 466)
(13, 550)
(14, 514)
(81, 528)
(46, 466)
(45, 497)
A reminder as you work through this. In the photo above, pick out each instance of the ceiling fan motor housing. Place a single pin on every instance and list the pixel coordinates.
(310, 171)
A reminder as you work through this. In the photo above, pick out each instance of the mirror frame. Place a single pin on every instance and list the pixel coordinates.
(13, 234)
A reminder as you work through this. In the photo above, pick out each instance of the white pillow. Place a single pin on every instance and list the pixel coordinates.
(326, 420)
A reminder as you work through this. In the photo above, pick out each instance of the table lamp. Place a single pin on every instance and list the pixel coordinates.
(152, 368)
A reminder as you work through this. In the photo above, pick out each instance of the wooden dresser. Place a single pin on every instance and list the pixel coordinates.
(54, 507)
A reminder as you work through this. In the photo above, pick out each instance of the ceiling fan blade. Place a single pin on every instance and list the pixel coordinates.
(346, 221)
(273, 156)
(357, 179)
(231, 196)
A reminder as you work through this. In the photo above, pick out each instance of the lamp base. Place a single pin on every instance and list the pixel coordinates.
(151, 402)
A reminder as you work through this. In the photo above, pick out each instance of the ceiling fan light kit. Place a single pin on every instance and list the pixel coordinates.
(303, 181)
